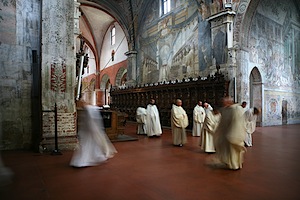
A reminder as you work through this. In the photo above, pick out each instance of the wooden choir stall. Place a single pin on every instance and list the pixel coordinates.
(210, 89)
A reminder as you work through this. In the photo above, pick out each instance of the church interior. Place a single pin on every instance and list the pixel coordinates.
(118, 54)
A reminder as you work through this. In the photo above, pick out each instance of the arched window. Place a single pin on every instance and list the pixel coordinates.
(166, 6)
(113, 35)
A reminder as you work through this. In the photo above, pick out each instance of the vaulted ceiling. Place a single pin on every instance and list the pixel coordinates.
(98, 15)
(94, 23)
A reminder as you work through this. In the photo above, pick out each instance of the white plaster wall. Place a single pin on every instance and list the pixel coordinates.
(120, 47)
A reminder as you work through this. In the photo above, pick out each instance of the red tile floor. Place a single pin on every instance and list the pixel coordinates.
(153, 169)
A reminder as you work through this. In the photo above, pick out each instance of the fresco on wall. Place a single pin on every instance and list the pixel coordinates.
(274, 47)
(169, 45)
(58, 77)
(273, 44)
(275, 102)
(219, 45)
(273, 109)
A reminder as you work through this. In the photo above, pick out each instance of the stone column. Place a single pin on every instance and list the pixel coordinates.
(224, 55)
(131, 68)
(58, 74)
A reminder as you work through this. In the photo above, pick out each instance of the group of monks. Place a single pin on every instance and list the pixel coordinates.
(226, 132)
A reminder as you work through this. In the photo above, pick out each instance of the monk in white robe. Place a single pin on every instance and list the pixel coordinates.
(229, 136)
(210, 125)
(198, 119)
(179, 121)
(244, 104)
(153, 120)
(141, 119)
(250, 124)
(94, 145)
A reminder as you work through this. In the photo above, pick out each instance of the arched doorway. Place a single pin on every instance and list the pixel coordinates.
(105, 86)
(107, 92)
(256, 92)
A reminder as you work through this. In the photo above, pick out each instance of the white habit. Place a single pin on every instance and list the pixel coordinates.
(94, 145)
(179, 121)
(250, 124)
(153, 121)
(210, 125)
(198, 119)
(141, 119)
(229, 137)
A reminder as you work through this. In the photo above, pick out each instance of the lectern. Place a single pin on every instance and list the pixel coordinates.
(114, 123)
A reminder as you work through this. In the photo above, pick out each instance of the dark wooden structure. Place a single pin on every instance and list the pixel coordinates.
(190, 91)
(114, 123)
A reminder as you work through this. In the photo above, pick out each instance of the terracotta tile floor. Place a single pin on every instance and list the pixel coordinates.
(153, 169)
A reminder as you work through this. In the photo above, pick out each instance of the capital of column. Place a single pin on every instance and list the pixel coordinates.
(131, 53)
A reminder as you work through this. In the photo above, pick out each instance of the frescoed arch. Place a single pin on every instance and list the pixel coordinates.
(255, 84)
(105, 78)
(121, 76)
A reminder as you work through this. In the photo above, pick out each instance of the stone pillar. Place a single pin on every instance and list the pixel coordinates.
(131, 68)
(58, 74)
(77, 15)
(222, 43)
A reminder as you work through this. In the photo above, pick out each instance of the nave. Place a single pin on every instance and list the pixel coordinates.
(153, 169)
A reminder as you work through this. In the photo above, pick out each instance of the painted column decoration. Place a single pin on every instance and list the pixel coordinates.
(222, 43)
(58, 77)
(60, 26)
(222, 26)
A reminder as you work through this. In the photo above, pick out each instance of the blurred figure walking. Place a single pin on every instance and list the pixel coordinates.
(141, 119)
(210, 125)
(94, 145)
(229, 136)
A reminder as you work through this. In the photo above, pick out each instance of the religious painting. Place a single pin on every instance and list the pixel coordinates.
(169, 43)
(272, 111)
(273, 45)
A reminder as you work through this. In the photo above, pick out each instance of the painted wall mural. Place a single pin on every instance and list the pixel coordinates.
(281, 106)
(169, 45)
(274, 44)
(274, 48)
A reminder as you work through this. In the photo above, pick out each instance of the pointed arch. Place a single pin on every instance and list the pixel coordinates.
(256, 97)
(121, 76)
(104, 80)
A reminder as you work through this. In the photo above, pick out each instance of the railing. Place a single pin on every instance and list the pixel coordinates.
(56, 151)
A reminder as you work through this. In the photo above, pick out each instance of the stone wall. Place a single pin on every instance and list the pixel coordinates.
(66, 127)
(58, 70)
(19, 48)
